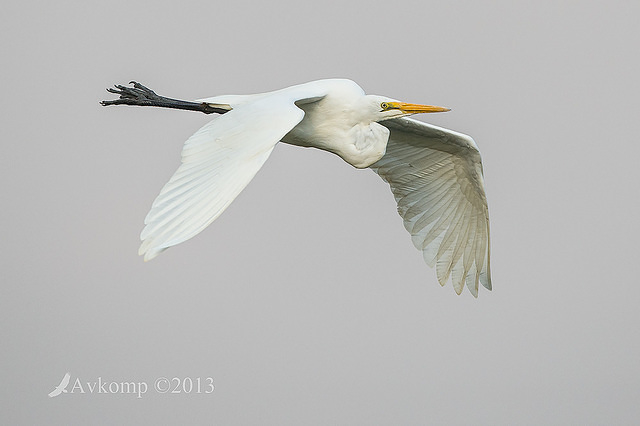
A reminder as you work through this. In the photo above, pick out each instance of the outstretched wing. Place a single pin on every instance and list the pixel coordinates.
(65, 380)
(61, 387)
(436, 177)
(218, 162)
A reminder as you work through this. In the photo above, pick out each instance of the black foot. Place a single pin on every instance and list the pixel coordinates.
(140, 95)
(136, 95)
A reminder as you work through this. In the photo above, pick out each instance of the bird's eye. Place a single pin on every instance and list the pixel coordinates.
(384, 105)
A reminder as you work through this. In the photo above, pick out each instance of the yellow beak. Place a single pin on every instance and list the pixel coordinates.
(417, 108)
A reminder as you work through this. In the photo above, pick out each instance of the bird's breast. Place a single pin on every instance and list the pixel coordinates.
(360, 145)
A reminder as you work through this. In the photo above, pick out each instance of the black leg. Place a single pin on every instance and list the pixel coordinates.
(140, 95)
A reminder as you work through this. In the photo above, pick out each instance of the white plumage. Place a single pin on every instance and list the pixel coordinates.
(435, 174)
(436, 177)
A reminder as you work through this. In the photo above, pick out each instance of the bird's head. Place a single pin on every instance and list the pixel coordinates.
(385, 108)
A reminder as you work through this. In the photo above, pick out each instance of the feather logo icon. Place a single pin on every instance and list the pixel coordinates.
(62, 387)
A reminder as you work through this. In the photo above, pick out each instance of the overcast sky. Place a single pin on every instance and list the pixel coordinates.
(305, 302)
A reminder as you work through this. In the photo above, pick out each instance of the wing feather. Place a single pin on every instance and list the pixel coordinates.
(436, 177)
(218, 162)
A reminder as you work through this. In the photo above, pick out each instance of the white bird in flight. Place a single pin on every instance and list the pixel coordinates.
(62, 387)
(435, 174)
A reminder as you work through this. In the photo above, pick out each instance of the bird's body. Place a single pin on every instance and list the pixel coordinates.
(434, 173)
(337, 118)
(341, 123)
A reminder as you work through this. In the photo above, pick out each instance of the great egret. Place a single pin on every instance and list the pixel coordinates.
(435, 174)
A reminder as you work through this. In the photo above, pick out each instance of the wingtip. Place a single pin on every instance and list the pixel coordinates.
(150, 253)
(485, 279)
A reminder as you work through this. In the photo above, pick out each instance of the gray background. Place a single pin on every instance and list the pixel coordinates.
(306, 301)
